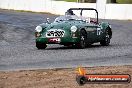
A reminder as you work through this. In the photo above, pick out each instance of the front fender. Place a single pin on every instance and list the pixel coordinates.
(105, 25)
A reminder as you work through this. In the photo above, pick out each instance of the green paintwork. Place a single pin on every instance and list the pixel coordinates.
(91, 29)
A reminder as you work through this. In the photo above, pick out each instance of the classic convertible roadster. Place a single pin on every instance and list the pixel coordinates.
(73, 30)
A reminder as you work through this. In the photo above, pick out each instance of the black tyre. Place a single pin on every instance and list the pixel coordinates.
(41, 45)
(106, 40)
(82, 42)
(67, 45)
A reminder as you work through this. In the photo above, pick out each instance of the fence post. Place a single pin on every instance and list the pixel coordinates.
(101, 7)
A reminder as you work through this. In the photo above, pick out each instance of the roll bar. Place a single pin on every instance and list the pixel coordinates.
(86, 9)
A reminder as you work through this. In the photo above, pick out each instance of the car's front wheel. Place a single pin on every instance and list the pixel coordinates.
(82, 42)
(41, 45)
(106, 40)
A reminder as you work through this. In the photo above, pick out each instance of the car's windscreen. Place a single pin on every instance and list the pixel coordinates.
(67, 17)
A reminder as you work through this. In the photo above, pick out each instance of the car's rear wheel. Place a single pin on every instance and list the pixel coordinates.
(82, 42)
(106, 40)
(41, 45)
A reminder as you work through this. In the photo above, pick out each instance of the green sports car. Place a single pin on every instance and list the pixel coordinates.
(73, 30)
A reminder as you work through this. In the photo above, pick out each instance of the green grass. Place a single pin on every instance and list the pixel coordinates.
(124, 1)
(68, 0)
(118, 1)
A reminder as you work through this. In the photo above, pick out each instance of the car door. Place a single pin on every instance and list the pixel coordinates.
(91, 33)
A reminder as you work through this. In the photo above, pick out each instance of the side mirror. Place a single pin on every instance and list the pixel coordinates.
(47, 20)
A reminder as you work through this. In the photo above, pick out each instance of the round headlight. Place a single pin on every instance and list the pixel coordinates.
(38, 29)
(73, 28)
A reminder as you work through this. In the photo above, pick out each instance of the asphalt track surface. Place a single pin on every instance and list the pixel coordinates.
(18, 51)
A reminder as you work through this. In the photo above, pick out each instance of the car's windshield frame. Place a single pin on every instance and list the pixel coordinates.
(70, 17)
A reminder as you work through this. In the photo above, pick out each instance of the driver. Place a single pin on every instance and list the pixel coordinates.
(69, 12)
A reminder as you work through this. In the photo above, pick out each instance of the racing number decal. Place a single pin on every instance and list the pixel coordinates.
(98, 31)
(55, 33)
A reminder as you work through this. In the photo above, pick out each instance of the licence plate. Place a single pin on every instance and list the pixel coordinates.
(54, 40)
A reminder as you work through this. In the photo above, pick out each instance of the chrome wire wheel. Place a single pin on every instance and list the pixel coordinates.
(106, 40)
(82, 43)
